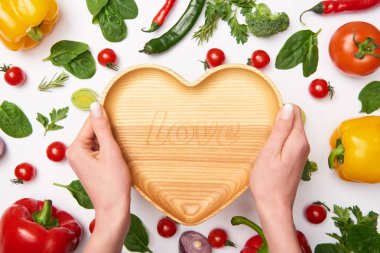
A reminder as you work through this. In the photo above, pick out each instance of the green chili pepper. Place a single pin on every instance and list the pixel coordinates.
(178, 31)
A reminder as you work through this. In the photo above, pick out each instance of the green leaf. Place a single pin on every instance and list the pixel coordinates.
(112, 25)
(238, 31)
(244, 3)
(137, 239)
(310, 62)
(43, 120)
(309, 168)
(13, 121)
(368, 220)
(329, 248)
(64, 51)
(83, 66)
(54, 127)
(94, 6)
(369, 96)
(127, 9)
(60, 114)
(79, 193)
(363, 239)
(55, 116)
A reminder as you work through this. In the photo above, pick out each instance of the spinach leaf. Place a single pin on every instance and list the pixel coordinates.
(64, 51)
(79, 193)
(310, 62)
(329, 248)
(369, 96)
(112, 25)
(137, 239)
(13, 121)
(83, 66)
(95, 6)
(127, 9)
(363, 239)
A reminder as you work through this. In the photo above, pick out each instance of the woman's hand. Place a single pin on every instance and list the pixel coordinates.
(99, 164)
(275, 178)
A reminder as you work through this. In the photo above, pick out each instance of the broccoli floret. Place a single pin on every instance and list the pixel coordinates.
(262, 23)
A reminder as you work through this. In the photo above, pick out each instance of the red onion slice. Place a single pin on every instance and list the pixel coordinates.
(193, 242)
(2, 148)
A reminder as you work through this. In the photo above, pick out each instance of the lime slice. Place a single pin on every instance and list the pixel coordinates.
(83, 98)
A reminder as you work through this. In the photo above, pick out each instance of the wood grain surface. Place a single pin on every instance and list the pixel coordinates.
(191, 146)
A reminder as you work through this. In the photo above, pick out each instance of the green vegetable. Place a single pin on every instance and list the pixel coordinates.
(13, 121)
(55, 116)
(137, 239)
(127, 9)
(55, 82)
(65, 51)
(79, 193)
(262, 23)
(178, 31)
(309, 168)
(238, 31)
(95, 6)
(369, 96)
(301, 47)
(112, 25)
(363, 239)
(83, 67)
(83, 98)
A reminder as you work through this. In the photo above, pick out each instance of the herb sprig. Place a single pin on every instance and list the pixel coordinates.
(55, 116)
(55, 82)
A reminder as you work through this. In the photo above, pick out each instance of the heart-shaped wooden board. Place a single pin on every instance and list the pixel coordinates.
(191, 146)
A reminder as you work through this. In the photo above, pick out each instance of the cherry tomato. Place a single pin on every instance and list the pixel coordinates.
(107, 57)
(344, 51)
(14, 75)
(91, 226)
(320, 88)
(260, 59)
(316, 213)
(218, 238)
(166, 227)
(24, 172)
(56, 151)
(215, 57)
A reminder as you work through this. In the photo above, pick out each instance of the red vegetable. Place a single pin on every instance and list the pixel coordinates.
(159, 19)
(215, 57)
(218, 238)
(259, 59)
(91, 227)
(193, 242)
(24, 172)
(166, 227)
(108, 58)
(36, 226)
(56, 151)
(336, 6)
(316, 213)
(13, 75)
(320, 88)
(2, 148)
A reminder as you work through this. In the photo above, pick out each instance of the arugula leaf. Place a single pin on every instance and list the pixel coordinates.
(309, 168)
(137, 239)
(13, 121)
(79, 193)
(238, 31)
(55, 116)
(369, 96)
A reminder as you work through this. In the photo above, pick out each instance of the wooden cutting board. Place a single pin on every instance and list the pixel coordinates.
(191, 146)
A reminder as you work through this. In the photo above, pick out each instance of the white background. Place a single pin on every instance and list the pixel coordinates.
(322, 116)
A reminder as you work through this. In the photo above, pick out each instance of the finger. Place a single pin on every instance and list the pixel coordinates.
(86, 133)
(281, 129)
(101, 126)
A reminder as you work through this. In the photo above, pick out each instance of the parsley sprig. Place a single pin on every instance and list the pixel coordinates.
(55, 116)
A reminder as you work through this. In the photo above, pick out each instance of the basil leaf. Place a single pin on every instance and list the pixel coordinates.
(127, 9)
(137, 239)
(64, 51)
(79, 193)
(310, 62)
(293, 51)
(95, 6)
(369, 96)
(13, 121)
(329, 248)
(83, 66)
(363, 239)
(112, 25)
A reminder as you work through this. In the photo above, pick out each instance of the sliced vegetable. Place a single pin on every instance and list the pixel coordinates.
(137, 239)
(79, 193)
(166, 227)
(55, 82)
(14, 76)
(159, 19)
(193, 242)
(55, 116)
(24, 172)
(83, 98)
(56, 151)
(369, 96)
(13, 121)
(2, 148)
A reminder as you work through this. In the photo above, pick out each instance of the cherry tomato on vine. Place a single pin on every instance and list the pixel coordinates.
(166, 227)
(316, 213)
(219, 238)
(320, 88)
(13, 75)
(91, 226)
(56, 151)
(259, 59)
(108, 58)
(24, 172)
(215, 57)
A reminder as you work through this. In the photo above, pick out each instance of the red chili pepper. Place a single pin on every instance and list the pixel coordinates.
(328, 7)
(161, 16)
(34, 226)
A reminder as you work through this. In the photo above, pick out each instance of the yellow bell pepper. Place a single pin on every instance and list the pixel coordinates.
(356, 150)
(23, 23)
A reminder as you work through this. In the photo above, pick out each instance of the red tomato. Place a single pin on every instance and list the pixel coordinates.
(91, 226)
(320, 88)
(56, 151)
(344, 51)
(260, 59)
(24, 172)
(107, 57)
(14, 76)
(215, 57)
(315, 213)
(218, 238)
(166, 227)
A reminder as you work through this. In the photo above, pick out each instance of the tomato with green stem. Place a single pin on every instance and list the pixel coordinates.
(320, 88)
(108, 58)
(166, 227)
(218, 238)
(316, 213)
(13, 75)
(24, 172)
(214, 58)
(56, 151)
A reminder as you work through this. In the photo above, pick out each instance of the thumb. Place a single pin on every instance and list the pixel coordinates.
(101, 125)
(281, 129)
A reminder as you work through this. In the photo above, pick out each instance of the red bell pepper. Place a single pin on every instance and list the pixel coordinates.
(32, 226)
(258, 242)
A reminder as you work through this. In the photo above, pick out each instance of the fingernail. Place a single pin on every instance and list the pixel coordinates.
(286, 112)
(96, 110)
